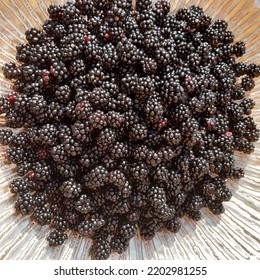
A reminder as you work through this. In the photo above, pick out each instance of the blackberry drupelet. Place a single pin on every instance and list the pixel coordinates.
(56, 238)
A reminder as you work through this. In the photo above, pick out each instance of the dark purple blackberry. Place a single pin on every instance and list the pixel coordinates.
(128, 53)
(112, 224)
(97, 120)
(42, 215)
(98, 177)
(59, 153)
(239, 48)
(173, 225)
(241, 69)
(25, 204)
(128, 230)
(110, 57)
(56, 238)
(101, 249)
(6, 136)
(138, 132)
(19, 186)
(172, 136)
(34, 36)
(247, 83)
(216, 206)
(83, 204)
(247, 105)
(59, 223)
(70, 188)
(96, 76)
(23, 168)
(86, 7)
(228, 37)
(59, 71)
(253, 70)
(42, 171)
(119, 244)
(149, 227)
(67, 169)
(252, 135)
(237, 173)
(11, 71)
(81, 131)
(55, 12)
(14, 119)
(91, 225)
(149, 65)
(6, 102)
(106, 138)
(83, 110)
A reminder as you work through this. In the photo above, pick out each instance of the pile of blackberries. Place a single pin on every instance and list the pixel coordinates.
(130, 119)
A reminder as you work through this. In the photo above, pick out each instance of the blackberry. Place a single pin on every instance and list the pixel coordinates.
(82, 110)
(239, 48)
(91, 225)
(25, 204)
(228, 37)
(59, 153)
(11, 71)
(55, 12)
(67, 169)
(241, 69)
(59, 223)
(97, 120)
(119, 244)
(34, 36)
(56, 238)
(101, 249)
(253, 70)
(128, 230)
(78, 67)
(42, 215)
(19, 186)
(172, 136)
(247, 105)
(112, 224)
(5, 103)
(96, 76)
(83, 204)
(110, 57)
(252, 135)
(106, 137)
(143, 5)
(154, 110)
(70, 188)
(216, 206)
(14, 119)
(248, 83)
(173, 225)
(149, 65)
(149, 228)
(138, 132)
(128, 52)
(98, 177)
(59, 71)
(6, 136)
(81, 132)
